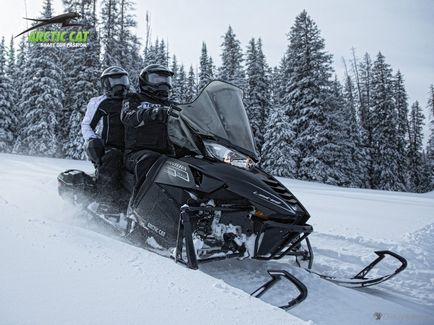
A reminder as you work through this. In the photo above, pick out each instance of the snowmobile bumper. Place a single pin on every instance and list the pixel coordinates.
(277, 251)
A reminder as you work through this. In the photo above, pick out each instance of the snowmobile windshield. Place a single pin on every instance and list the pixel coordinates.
(218, 114)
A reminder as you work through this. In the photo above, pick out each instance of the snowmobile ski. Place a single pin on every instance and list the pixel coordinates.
(360, 280)
(276, 276)
(116, 222)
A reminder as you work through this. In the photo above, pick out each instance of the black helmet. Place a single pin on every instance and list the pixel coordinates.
(115, 82)
(155, 80)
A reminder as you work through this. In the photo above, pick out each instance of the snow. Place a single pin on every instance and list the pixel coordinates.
(56, 270)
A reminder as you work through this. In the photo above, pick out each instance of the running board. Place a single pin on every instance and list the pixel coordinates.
(276, 276)
(360, 280)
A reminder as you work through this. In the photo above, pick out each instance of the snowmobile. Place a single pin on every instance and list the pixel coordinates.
(215, 202)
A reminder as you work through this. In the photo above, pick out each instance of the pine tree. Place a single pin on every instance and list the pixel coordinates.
(384, 119)
(176, 84)
(257, 91)
(358, 167)
(276, 85)
(206, 73)
(7, 119)
(135, 62)
(18, 81)
(20, 67)
(419, 180)
(163, 53)
(128, 45)
(430, 146)
(275, 150)
(12, 74)
(191, 89)
(231, 69)
(306, 90)
(400, 98)
(156, 53)
(110, 30)
(82, 71)
(181, 80)
(363, 73)
(150, 54)
(11, 63)
(41, 99)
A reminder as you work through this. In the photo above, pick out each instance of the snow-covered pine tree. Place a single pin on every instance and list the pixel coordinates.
(156, 53)
(276, 85)
(419, 178)
(163, 53)
(20, 67)
(12, 74)
(338, 146)
(18, 81)
(258, 93)
(7, 118)
(353, 153)
(191, 89)
(135, 64)
(82, 70)
(109, 32)
(129, 45)
(357, 163)
(42, 98)
(176, 85)
(150, 54)
(384, 120)
(307, 89)
(181, 80)
(206, 73)
(11, 70)
(400, 98)
(276, 153)
(231, 69)
(363, 75)
(430, 146)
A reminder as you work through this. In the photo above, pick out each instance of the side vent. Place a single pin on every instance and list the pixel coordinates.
(281, 191)
(197, 175)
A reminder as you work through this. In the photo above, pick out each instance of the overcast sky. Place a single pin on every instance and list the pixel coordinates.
(401, 29)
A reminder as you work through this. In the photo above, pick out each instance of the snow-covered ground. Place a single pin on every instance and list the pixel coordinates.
(54, 270)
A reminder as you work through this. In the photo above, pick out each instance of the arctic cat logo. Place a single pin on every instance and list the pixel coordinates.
(157, 230)
(64, 20)
(262, 196)
(177, 165)
(177, 170)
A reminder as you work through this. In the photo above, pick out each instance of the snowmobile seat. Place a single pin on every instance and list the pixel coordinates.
(75, 182)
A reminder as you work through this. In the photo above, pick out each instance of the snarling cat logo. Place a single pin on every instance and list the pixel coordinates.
(63, 19)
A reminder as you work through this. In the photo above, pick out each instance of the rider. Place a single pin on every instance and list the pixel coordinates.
(144, 115)
(104, 134)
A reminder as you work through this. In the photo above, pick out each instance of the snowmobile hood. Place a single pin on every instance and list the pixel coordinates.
(217, 113)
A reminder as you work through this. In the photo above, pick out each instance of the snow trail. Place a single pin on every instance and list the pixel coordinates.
(65, 273)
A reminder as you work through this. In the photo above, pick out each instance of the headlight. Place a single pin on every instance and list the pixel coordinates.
(228, 156)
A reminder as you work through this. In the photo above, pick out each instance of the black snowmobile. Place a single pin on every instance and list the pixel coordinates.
(215, 203)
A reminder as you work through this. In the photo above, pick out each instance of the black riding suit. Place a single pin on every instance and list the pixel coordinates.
(146, 135)
(104, 135)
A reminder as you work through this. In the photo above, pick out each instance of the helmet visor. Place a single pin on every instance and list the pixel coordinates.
(156, 78)
(119, 80)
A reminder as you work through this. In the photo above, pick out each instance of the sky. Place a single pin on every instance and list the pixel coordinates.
(401, 29)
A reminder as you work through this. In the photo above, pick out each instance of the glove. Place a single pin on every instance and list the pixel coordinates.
(159, 114)
(95, 150)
